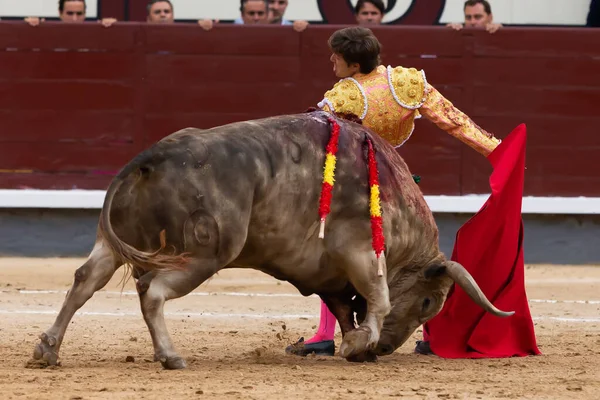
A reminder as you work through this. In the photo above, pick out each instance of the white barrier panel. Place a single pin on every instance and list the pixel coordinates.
(93, 199)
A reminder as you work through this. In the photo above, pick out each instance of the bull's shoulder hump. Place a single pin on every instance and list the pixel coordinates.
(183, 132)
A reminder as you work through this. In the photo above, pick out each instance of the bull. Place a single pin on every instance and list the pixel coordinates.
(246, 195)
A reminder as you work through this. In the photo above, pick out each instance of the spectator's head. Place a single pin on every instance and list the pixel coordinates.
(71, 10)
(369, 12)
(354, 49)
(478, 13)
(255, 11)
(276, 10)
(160, 12)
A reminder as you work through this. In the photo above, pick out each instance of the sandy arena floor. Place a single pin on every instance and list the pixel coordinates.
(233, 331)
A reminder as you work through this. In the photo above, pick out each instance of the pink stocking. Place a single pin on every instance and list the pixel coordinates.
(326, 326)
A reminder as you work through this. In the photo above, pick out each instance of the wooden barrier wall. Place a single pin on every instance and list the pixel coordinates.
(78, 101)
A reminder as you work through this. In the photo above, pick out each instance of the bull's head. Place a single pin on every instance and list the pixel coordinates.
(417, 296)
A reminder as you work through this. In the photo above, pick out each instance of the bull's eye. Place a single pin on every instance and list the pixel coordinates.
(426, 304)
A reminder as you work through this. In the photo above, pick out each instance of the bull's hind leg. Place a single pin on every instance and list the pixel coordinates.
(361, 267)
(157, 287)
(89, 278)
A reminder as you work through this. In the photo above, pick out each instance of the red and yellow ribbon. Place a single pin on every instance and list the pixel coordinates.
(328, 175)
(375, 209)
(378, 241)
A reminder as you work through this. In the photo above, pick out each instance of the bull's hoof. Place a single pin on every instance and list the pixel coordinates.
(367, 356)
(356, 342)
(175, 362)
(46, 351)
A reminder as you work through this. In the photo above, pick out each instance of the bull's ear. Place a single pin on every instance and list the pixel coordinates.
(434, 271)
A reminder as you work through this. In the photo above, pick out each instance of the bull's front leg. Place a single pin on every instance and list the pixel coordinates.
(362, 272)
(342, 308)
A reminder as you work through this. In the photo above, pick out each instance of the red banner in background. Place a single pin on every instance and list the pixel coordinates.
(79, 101)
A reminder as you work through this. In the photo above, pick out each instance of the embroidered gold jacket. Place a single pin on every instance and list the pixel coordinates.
(388, 100)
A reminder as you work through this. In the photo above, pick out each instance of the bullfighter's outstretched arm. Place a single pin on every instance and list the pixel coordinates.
(446, 116)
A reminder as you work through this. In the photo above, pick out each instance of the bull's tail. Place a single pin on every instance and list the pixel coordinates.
(127, 253)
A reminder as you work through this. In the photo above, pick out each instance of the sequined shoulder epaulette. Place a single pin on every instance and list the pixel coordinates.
(408, 86)
(346, 96)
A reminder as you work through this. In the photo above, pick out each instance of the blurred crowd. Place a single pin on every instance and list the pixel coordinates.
(477, 14)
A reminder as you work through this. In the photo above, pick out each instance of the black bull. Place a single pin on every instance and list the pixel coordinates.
(246, 195)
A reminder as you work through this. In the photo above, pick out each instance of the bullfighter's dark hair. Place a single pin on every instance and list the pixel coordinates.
(486, 5)
(152, 2)
(357, 44)
(242, 2)
(377, 3)
(61, 4)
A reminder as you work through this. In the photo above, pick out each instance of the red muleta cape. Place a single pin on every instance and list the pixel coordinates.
(490, 247)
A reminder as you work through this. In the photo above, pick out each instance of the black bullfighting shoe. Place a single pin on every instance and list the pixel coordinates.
(323, 348)
(422, 347)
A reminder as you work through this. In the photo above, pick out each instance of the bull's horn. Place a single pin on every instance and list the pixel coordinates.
(462, 278)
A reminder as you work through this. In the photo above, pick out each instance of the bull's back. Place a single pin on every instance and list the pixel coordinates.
(241, 174)
(261, 178)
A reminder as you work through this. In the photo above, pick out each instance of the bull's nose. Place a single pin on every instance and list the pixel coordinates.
(385, 349)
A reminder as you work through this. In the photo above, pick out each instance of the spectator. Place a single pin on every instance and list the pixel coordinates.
(277, 10)
(478, 14)
(163, 12)
(160, 12)
(253, 12)
(70, 11)
(369, 12)
(593, 18)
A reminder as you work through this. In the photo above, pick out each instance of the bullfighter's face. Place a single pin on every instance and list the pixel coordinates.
(341, 68)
